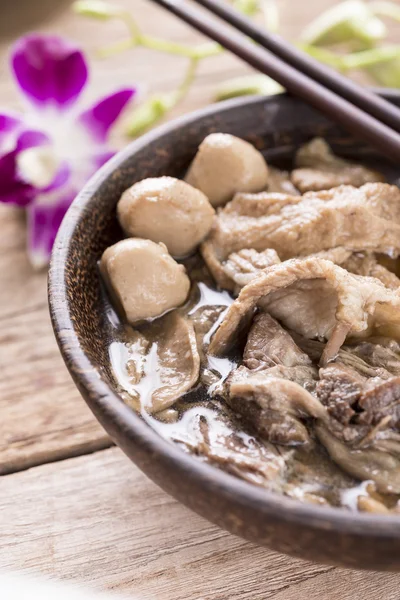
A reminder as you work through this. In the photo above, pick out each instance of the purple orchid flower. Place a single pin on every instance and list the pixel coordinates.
(48, 153)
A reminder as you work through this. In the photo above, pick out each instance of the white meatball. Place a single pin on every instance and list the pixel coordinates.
(225, 164)
(143, 279)
(168, 210)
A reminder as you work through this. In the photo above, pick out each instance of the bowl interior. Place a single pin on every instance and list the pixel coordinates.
(81, 313)
(276, 126)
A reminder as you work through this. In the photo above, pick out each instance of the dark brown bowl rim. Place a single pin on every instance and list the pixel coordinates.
(88, 378)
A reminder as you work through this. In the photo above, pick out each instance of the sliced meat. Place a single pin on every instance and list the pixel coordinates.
(314, 298)
(361, 434)
(379, 402)
(258, 205)
(391, 264)
(348, 355)
(163, 363)
(372, 505)
(313, 477)
(382, 354)
(268, 345)
(279, 181)
(361, 263)
(243, 266)
(365, 219)
(371, 463)
(270, 390)
(317, 168)
(367, 264)
(274, 406)
(217, 436)
(224, 165)
(339, 389)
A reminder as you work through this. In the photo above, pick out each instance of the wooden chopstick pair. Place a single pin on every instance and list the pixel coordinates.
(359, 110)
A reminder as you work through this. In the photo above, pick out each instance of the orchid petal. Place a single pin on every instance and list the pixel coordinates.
(61, 178)
(9, 124)
(101, 116)
(31, 138)
(50, 70)
(14, 189)
(44, 219)
(100, 159)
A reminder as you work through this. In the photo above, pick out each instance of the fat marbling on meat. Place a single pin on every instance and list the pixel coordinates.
(365, 219)
(318, 168)
(315, 298)
(361, 263)
(271, 388)
(243, 266)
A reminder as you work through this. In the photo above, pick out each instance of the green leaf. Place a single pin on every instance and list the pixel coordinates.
(247, 86)
(150, 112)
(382, 64)
(247, 7)
(387, 73)
(270, 12)
(97, 9)
(206, 50)
(386, 9)
(351, 22)
(325, 56)
(371, 58)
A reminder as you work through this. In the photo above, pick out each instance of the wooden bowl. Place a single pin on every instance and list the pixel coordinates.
(276, 126)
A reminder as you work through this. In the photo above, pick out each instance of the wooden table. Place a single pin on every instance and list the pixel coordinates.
(71, 505)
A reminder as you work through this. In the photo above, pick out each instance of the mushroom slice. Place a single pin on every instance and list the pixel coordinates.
(215, 434)
(371, 463)
(312, 297)
(224, 165)
(319, 169)
(279, 181)
(243, 266)
(274, 405)
(163, 363)
(365, 219)
(167, 210)
(143, 279)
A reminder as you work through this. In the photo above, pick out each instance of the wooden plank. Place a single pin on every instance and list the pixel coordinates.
(98, 520)
(346, 585)
(42, 414)
(123, 533)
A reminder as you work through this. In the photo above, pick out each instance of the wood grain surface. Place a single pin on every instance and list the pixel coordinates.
(95, 517)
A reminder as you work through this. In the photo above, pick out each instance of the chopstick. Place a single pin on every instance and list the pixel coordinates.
(343, 86)
(340, 110)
